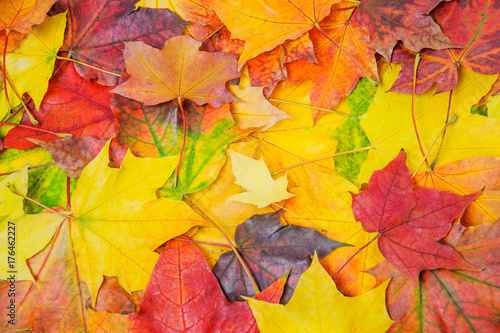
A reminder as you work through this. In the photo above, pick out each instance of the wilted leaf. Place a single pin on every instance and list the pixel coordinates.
(182, 296)
(452, 301)
(30, 67)
(265, 24)
(317, 306)
(410, 223)
(405, 20)
(72, 154)
(466, 177)
(179, 70)
(270, 250)
(97, 30)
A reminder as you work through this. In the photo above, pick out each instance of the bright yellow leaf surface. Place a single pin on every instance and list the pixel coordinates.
(332, 214)
(11, 205)
(389, 126)
(117, 220)
(264, 24)
(29, 67)
(228, 214)
(254, 176)
(297, 139)
(317, 306)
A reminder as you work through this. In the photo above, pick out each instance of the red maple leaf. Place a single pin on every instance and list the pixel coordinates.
(411, 222)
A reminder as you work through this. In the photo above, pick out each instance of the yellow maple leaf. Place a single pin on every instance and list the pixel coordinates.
(116, 223)
(253, 110)
(389, 125)
(330, 195)
(254, 176)
(227, 214)
(265, 24)
(29, 67)
(317, 306)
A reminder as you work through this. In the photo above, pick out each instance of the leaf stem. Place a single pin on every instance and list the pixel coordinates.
(355, 253)
(321, 159)
(4, 70)
(32, 119)
(451, 121)
(198, 210)
(200, 242)
(38, 203)
(87, 65)
(212, 33)
(413, 93)
(29, 168)
(184, 125)
(433, 164)
(61, 135)
(308, 106)
(68, 193)
(372, 81)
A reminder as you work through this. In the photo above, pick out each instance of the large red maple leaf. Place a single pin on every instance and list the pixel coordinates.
(410, 222)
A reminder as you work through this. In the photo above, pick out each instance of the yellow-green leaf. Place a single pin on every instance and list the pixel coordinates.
(29, 67)
(317, 306)
(117, 221)
(254, 176)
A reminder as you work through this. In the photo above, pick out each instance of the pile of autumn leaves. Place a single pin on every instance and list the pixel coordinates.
(400, 250)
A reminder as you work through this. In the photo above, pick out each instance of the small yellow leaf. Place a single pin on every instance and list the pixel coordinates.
(255, 110)
(317, 306)
(254, 176)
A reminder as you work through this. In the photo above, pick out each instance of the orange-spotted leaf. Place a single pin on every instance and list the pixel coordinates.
(179, 70)
(410, 222)
(405, 20)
